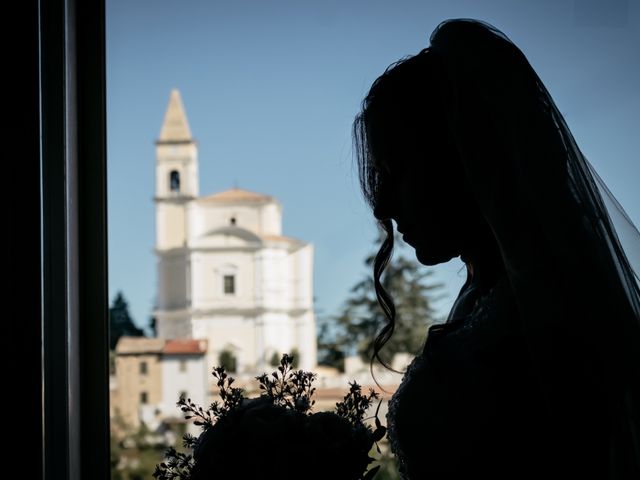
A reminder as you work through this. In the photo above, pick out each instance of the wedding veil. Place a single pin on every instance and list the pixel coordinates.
(561, 234)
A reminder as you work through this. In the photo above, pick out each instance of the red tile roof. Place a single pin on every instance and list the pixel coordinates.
(185, 346)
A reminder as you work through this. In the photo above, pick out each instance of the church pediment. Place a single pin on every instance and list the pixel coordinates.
(228, 237)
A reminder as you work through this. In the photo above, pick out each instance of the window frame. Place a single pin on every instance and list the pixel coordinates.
(71, 119)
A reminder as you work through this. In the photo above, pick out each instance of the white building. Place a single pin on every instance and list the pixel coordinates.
(184, 374)
(225, 271)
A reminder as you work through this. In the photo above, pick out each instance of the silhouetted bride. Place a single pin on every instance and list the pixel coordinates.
(536, 373)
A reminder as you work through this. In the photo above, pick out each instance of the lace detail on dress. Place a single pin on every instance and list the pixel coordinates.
(478, 327)
(392, 412)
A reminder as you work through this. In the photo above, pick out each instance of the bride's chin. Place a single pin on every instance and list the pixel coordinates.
(431, 258)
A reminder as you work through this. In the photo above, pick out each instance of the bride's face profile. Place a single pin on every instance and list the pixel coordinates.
(410, 168)
(422, 188)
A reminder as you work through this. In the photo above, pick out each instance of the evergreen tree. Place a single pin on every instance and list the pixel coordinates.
(228, 360)
(361, 318)
(153, 326)
(120, 322)
(330, 340)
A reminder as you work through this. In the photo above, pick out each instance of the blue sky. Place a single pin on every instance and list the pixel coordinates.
(271, 88)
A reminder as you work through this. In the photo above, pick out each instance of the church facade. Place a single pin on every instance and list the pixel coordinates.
(226, 272)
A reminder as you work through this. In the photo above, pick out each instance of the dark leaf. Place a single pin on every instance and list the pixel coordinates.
(378, 434)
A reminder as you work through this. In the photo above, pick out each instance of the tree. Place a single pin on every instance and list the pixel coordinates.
(275, 359)
(153, 326)
(355, 327)
(330, 343)
(228, 360)
(120, 322)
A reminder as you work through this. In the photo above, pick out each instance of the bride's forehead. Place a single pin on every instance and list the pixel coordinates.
(380, 165)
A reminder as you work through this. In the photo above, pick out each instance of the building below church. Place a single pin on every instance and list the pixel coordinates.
(226, 272)
(151, 374)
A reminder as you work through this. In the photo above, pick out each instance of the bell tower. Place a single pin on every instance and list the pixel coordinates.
(176, 176)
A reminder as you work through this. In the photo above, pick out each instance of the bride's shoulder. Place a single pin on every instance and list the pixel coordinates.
(492, 317)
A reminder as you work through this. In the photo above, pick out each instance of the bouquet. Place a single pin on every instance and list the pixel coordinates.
(276, 435)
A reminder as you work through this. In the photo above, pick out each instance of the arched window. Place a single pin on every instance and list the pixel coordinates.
(174, 181)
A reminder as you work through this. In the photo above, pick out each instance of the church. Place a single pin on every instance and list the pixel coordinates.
(226, 273)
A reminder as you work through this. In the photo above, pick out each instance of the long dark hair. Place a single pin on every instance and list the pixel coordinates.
(402, 85)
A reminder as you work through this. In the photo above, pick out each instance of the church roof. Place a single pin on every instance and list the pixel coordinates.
(237, 195)
(175, 127)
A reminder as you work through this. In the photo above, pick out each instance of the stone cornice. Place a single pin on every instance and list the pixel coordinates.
(179, 199)
(176, 142)
(248, 248)
(247, 312)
